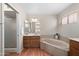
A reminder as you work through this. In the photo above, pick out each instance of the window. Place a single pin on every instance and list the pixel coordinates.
(64, 20)
(73, 18)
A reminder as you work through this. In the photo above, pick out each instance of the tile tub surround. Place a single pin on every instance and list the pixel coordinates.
(53, 49)
(46, 36)
(63, 38)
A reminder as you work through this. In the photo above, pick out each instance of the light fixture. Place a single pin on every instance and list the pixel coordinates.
(26, 21)
(34, 19)
(26, 25)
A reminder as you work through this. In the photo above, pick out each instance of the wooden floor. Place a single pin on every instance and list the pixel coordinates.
(33, 52)
(29, 52)
(9, 53)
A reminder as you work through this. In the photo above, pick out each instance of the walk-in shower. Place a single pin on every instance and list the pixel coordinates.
(9, 29)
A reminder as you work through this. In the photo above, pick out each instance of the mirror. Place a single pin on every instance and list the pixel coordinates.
(32, 26)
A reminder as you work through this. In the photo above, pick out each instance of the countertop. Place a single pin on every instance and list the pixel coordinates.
(75, 39)
(31, 34)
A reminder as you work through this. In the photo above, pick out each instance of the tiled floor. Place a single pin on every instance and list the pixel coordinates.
(29, 52)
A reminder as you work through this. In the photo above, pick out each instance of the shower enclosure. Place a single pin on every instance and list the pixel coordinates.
(9, 29)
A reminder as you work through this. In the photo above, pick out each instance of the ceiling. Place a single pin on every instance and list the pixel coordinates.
(44, 8)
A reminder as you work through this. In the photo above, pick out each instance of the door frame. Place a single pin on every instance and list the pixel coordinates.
(17, 27)
(2, 29)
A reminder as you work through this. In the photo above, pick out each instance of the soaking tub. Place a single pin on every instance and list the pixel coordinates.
(54, 46)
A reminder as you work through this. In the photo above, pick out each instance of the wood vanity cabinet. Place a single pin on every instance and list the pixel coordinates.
(74, 48)
(31, 41)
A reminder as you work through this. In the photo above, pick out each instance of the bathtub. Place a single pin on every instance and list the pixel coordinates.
(54, 46)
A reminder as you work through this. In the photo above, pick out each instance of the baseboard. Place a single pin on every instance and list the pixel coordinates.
(11, 49)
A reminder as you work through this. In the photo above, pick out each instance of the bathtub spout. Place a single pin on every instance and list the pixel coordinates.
(57, 36)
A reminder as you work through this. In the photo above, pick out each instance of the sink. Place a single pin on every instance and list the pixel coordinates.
(31, 34)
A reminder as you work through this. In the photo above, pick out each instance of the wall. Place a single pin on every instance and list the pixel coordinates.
(48, 25)
(69, 30)
(10, 32)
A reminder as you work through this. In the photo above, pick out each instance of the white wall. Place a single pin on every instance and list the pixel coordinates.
(48, 25)
(69, 30)
(22, 17)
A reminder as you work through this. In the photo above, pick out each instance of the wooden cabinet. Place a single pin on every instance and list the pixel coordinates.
(31, 41)
(26, 43)
(74, 48)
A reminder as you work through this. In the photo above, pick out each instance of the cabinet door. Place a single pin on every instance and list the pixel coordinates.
(35, 43)
(26, 43)
(74, 48)
(74, 52)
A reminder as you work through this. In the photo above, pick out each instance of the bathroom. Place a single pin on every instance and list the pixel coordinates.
(41, 29)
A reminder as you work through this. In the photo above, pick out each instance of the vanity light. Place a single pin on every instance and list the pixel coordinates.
(26, 25)
(34, 20)
(26, 21)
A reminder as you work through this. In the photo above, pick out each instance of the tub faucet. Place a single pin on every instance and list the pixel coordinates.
(57, 36)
